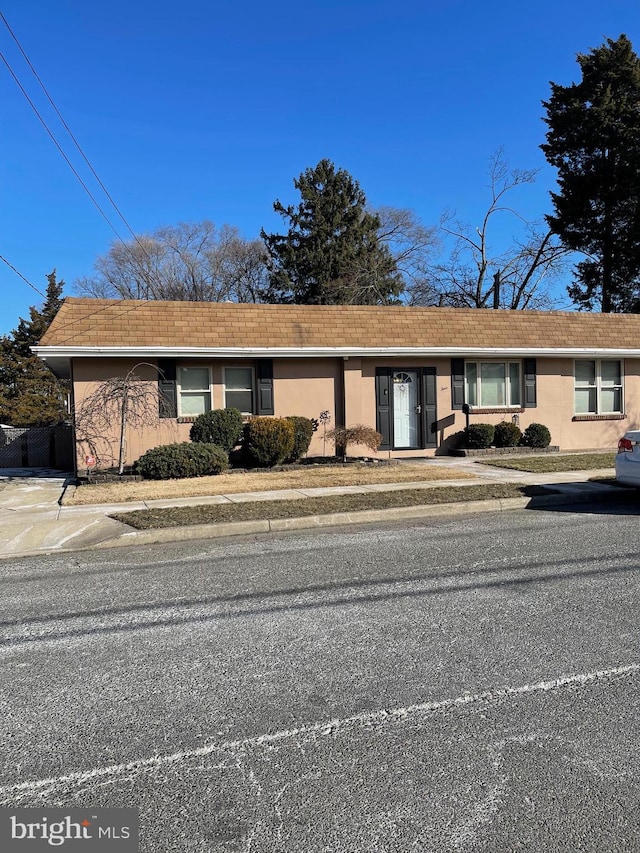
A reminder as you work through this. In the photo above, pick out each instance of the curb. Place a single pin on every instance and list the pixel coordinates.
(279, 525)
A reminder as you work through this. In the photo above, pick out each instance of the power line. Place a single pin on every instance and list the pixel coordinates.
(67, 128)
(24, 278)
(75, 172)
(112, 304)
(59, 147)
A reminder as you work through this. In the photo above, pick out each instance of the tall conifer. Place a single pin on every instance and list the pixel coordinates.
(332, 252)
(594, 143)
(30, 395)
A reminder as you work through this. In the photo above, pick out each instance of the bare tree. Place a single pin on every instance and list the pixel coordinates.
(129, 401)
(411, 244)
(477, 275)
(407, 244)
(188, 261)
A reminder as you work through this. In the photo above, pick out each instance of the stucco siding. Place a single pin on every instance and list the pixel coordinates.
(309, 386)
(88, 374)
(304, 387)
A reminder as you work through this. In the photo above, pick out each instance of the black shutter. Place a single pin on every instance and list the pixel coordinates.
(530, 396)
(264, 375)
(429, 409)
(383, 406)
(457, 383)
(167, 391)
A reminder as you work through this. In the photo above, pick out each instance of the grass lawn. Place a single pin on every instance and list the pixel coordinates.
(261, 481)
(545, 464)
(150, 519)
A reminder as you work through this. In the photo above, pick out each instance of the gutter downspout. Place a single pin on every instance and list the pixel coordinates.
(74, 443)
(339, 402)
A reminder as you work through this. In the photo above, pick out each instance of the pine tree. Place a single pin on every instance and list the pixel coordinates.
(332, 253)
(30, 395)
(594, 142)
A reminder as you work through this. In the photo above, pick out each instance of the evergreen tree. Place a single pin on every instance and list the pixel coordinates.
(332, 253)
(594, 142)
(30, 395)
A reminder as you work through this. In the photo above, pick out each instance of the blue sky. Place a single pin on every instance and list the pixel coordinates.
(199, 110)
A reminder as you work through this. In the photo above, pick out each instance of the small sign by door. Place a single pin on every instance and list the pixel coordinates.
(90, 461)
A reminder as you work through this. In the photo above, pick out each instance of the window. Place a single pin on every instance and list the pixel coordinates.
(194, 391)
(238, 388)
(598, 387)
(490, 384)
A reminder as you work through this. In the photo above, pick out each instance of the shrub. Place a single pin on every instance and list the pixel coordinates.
(536, 435)
(507, 434)
(219, 426)
(268, 441)
(302, 435)
(358, 434)
(477, 436)
(455, 440)
(188, 459)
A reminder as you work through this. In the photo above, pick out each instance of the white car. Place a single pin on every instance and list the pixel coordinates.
(628, 459)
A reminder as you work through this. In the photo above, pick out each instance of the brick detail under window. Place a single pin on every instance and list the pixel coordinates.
(187, 419)
(599, 417)
(511, 410)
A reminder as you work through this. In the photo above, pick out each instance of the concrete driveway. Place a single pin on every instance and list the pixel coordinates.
(32, 518)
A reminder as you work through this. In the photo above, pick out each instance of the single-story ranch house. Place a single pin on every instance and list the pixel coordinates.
(408, 372)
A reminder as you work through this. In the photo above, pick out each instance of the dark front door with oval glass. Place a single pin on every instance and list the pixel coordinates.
(406, 407)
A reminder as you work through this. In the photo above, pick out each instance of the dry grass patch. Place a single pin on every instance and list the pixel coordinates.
(153, 519)
(260, 481)
(548, 464)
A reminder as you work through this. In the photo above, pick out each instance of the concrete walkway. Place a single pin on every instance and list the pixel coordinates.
(34, 521)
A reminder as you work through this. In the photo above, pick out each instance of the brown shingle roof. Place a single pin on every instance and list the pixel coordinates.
(118, 323)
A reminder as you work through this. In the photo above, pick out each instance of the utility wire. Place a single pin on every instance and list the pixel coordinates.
(108, 320)
(24, 278)
(59, 147)
(67, 128)
(75, 172)
(72, 322)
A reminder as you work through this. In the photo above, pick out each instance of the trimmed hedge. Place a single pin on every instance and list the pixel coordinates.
(267, 441)
(479, 436)
(507, 434)
(302, 435)
(536, 435)
(219, 426)
(187, 459)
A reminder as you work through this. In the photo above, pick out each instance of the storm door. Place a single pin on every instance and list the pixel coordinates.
(406, 410)
(406, 414)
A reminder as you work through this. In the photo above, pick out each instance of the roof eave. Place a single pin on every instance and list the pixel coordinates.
(52, 354)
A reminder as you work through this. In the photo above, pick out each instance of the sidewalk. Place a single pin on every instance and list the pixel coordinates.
(33, 521)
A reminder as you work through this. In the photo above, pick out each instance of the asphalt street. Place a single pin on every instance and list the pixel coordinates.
(462, 684)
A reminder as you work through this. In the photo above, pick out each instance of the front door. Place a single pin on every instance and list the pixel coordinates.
(406, 413)
(405, 408)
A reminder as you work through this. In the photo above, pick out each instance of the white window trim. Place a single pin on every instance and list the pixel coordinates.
(182, 367)
(598, 386)
(252, 389)
(506, 362)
